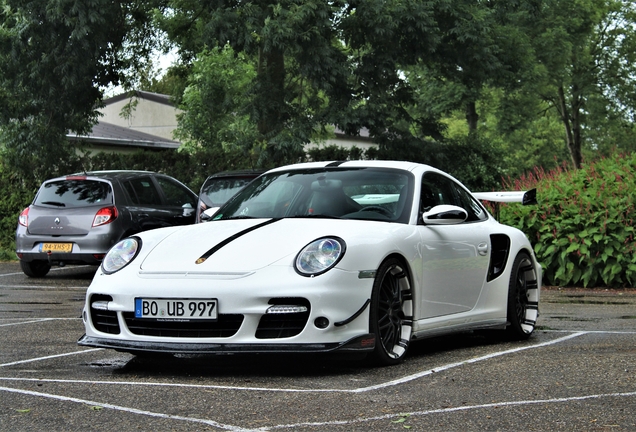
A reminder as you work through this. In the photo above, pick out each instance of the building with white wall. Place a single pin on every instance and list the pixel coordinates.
(152, 120)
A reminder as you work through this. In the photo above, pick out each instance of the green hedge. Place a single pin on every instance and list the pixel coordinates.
(582, 229)
(15, 195)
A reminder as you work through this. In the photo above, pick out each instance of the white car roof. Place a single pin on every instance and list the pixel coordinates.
(408, 166)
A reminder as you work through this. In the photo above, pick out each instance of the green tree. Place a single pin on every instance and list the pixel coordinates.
(56, 57)
(293, 50)
(484, 44)
(215, 102)
(347, 63)
(587, 52)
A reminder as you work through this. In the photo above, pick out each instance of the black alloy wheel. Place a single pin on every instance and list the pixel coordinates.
(523, 298)
(391, 317)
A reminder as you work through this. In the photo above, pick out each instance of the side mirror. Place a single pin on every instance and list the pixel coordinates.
(208, 214)
(444, 215)
(188, 210)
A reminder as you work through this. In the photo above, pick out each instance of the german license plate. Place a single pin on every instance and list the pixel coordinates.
(176, 309)
(56, 247)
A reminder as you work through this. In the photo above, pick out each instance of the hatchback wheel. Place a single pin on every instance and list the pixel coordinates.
(35, 269)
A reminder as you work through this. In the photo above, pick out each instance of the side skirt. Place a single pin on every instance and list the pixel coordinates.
(458, 328)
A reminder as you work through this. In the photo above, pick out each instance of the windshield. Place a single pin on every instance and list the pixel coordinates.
(348, 193)
(74, 193)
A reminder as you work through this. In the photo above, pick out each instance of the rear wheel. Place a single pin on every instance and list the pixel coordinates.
(35, 269)
(391, 316)
(523, 298)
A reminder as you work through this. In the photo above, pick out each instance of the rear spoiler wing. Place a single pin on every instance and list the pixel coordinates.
(523, 197)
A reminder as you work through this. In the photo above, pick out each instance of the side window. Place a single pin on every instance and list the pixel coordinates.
(142, 191)
(475, 211)
(131, 192)
(438, 189)
(176, 195)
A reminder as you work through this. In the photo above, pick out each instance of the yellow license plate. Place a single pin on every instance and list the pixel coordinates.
(56, 247)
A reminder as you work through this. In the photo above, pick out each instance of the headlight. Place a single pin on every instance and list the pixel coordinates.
(319, 256)
(120, 255)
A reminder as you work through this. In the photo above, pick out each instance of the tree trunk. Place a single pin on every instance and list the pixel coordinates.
(472, 117)
(271, 91)
(572, 123)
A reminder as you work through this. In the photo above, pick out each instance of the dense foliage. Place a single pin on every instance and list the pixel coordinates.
(583, 227)
(56, 57)
(14, 196)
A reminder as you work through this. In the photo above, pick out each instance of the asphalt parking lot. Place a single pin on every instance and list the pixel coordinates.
(577, 373)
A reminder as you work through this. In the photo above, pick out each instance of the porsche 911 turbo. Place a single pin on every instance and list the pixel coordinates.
(355, 257)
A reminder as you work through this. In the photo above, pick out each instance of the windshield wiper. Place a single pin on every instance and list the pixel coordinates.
(54, 203)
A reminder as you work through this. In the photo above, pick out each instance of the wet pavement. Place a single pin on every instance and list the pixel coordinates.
(577, 373)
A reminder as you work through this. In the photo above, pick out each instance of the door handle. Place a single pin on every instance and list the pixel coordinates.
(482, 249)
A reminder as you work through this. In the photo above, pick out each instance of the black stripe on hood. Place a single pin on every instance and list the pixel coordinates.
(231, 238)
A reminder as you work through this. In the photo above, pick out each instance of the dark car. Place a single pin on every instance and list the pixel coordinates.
(76, 219)
(219, 188)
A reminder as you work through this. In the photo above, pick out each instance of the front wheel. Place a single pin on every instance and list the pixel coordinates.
(391, 317)
(523, 298)
(35, 269)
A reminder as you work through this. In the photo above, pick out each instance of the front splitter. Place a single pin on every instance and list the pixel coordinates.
(359, 344)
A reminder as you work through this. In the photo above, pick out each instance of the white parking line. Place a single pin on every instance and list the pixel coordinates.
(55, 287)
(39, 320)
(50, 357)
(121, 408)
(314, 424)
(52, 269)
(11, 274)
(288, 390)
(449, 410)
(469, 361)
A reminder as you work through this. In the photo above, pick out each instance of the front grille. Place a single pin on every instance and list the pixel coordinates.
(103, 320)
(284, 325)
(225, 326)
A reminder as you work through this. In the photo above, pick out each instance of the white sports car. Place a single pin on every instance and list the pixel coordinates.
(357, 256)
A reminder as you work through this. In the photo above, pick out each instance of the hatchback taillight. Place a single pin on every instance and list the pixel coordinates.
(105, 216)
(23, 219)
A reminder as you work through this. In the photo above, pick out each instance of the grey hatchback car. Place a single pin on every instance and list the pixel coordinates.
(75, 219)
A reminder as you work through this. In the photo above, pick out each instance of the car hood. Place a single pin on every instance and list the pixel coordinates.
(239, 246)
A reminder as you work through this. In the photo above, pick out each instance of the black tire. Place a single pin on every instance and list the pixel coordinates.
(35, 269)
(391, 315)
(523, 298)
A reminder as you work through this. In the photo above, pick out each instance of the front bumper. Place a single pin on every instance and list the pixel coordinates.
(336, 312)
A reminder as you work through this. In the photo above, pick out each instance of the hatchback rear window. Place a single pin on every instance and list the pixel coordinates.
(74, 193)
(219, 190)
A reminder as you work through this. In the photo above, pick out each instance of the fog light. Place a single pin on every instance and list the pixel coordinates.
(286, 309)
(321, 322)
(100, 305)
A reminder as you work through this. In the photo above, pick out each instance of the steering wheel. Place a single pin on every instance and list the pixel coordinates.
(378, 209)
